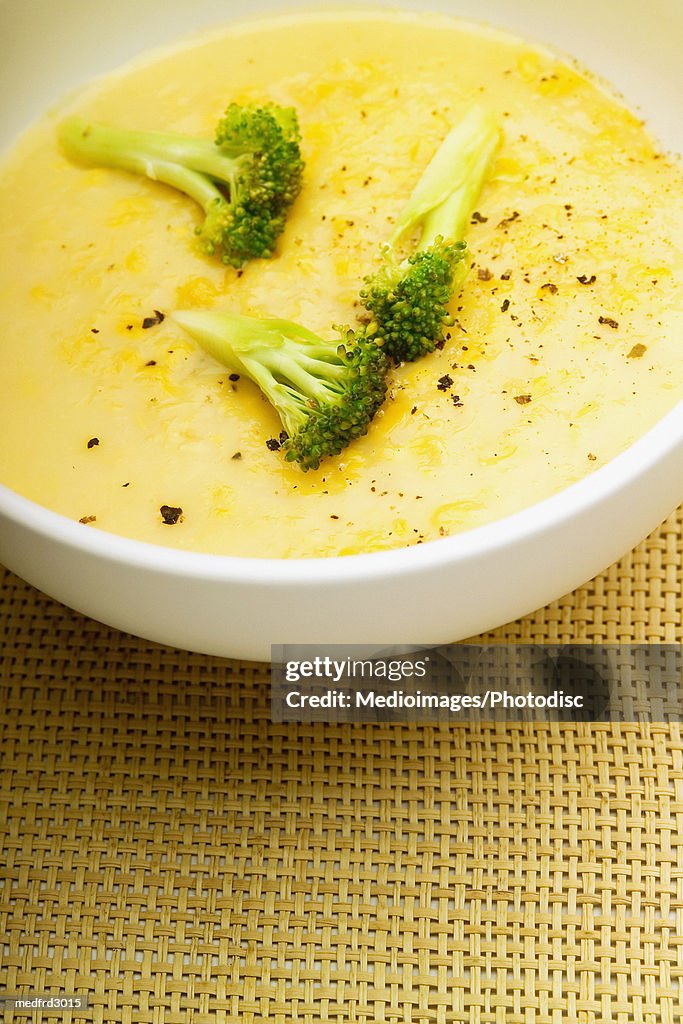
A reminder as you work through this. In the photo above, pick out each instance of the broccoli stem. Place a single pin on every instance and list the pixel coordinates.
(183, 163)
(444, 198)
(259, 349)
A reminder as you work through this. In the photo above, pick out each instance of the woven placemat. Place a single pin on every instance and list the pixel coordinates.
(174, 856)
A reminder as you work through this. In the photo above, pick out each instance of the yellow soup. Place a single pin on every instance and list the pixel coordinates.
(564, 350)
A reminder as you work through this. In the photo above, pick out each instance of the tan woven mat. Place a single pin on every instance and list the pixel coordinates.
(169, 853)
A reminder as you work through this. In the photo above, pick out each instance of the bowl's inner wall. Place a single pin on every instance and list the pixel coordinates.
(49, 48)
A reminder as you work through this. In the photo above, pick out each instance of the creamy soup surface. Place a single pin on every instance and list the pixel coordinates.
(567, 334)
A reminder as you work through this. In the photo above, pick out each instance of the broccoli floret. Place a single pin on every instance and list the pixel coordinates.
(408, 298)
(245, 180)
(325, 392)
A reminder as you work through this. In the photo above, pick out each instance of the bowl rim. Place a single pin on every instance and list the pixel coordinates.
(623, 472)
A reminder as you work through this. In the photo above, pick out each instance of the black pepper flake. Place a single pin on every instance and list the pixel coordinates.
(273, 445)
(284, 436)
(94, 330)
(127, 484)
(151, 362)
(478, 219)
(506, 305)
(550, 287)
(129, 327)
(93, 442)
(88, 519)
(584, 279)
(413, 410)
(506, 276)
(608, 321)
(509, 220)
(152, 321)
(637, 351)
(236, 456)
(334, 517)
(455, 399)
(234, 376)
(441, 344)
(522, 399)
(170, 514)
(445, 382)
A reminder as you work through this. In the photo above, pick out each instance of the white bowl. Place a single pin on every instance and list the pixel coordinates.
(430, 594)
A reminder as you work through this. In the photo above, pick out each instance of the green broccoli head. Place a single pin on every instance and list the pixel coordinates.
(326, 393)
(245, 180)
(270, 135)
(264, 142)
(409, 301)
(324, 426)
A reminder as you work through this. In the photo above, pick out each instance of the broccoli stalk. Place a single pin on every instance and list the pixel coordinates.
(245, 180)
(408, 299)
(325, 392)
